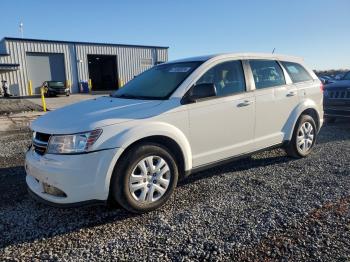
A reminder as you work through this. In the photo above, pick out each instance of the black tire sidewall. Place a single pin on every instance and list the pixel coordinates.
(120, 180)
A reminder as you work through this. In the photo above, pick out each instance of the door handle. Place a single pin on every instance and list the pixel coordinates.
(291, 93)
(245, 103)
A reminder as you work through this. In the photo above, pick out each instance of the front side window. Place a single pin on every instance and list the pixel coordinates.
(296, 72)
(228, 78)
(267, 73)
(158, 82)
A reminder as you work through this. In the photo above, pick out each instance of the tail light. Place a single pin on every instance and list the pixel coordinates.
(322, 87)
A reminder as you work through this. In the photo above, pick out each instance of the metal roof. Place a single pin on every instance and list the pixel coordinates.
(77, 42)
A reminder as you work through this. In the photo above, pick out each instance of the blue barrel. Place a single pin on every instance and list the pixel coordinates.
(84, 87)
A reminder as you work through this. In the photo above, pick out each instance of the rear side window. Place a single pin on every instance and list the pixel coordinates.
(296, 72)
(267, 73)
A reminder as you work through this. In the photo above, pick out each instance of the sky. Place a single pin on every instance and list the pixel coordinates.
(317, 30)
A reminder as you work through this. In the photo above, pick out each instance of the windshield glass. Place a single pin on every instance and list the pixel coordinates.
(158, 82)
(347, 76)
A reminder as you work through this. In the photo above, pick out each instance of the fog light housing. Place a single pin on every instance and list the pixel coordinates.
(54, 191)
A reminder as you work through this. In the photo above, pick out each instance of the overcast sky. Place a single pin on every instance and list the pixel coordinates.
(319, 30)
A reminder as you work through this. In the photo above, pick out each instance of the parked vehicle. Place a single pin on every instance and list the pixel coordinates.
(339, 76)
(326, 80)
(337, 99)
(54, 88)
(175, 119)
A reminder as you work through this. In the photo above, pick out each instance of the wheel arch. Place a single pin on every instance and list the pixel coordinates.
(163, 134)
(308, 107)
(164, 141)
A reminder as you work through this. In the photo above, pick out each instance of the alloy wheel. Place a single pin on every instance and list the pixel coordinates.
(150, 179)
(305, 137)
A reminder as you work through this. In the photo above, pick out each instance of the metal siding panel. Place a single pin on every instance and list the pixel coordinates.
(128, 60)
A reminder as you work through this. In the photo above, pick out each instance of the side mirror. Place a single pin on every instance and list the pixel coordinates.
(201, 91)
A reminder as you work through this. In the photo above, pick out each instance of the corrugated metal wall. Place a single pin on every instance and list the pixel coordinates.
(129, 60)
(18, 80)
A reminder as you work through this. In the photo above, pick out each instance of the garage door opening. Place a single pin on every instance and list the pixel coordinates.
(103, 72)
(45, 67)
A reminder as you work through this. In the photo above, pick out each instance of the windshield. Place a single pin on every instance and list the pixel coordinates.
(158, 82)
(347, 76)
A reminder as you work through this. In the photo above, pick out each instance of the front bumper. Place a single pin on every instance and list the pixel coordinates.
(83, 178)
(58, 91)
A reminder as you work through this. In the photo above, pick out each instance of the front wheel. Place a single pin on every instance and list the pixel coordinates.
(144, 178)
(304, 137)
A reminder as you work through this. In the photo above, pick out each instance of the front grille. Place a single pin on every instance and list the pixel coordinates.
(342, 94)
(40, 142)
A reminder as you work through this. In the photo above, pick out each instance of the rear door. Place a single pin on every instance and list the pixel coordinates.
(276, 97)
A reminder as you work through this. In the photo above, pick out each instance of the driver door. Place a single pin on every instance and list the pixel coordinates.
(222, 126)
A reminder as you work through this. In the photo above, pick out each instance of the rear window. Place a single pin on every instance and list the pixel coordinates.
(296, 72)
(267, 73)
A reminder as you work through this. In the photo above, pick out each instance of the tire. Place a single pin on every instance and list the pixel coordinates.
(302, 137)
(155, 188)
(330, 120)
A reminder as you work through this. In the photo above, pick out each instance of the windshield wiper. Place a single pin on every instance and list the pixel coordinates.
(128, 96)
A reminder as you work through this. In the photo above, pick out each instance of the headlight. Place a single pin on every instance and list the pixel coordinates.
(70, 144)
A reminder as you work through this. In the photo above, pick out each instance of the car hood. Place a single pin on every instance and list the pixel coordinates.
(342, 84)
(94, 113)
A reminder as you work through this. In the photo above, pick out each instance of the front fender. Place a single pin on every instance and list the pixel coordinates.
(129, 134)
(294, 116)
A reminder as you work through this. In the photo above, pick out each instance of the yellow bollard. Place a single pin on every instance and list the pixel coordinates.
(68, 84)
(90, 85)
(30, 87)
(120, 82)
(43, 98)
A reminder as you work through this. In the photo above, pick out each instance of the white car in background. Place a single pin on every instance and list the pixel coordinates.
(172, 120)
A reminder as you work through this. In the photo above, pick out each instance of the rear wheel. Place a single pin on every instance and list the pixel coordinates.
(304, 137)
(144, 178)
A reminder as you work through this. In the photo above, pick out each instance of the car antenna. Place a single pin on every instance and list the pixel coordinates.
(273, 51)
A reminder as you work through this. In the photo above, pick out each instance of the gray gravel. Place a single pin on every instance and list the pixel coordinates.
(17, 105)
(265, 207)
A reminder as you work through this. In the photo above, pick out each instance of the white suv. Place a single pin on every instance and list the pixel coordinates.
(172, 120)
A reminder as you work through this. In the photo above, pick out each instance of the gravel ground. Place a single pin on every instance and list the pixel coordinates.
(17, 105)
(267, 207)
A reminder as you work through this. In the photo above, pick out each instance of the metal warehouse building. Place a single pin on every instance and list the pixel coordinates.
(106, 66)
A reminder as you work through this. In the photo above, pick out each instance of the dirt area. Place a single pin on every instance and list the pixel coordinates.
(17, 105)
